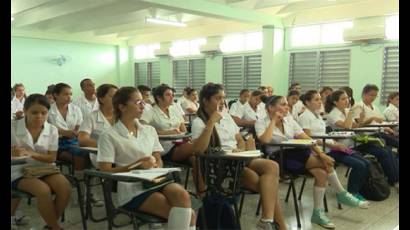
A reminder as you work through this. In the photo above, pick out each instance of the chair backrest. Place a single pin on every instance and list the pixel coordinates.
(231, 102)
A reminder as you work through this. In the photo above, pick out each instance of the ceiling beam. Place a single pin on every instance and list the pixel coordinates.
(46, 13)
(216, 10)
(18, 6)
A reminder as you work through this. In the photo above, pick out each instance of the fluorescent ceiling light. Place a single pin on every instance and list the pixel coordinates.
(165, 22)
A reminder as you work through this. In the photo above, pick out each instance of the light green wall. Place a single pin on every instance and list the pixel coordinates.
(214, 69)
(33, 64)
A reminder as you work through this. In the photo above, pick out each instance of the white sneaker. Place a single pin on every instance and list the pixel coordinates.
(156, 226)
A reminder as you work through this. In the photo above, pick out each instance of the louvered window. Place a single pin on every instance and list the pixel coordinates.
(390, 80)
(188, 73)
(316, 69)
(240, 72)
(147, 73)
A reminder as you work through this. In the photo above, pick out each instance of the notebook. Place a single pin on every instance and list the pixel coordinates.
(250, 153)
(299, 142)
(148, 174)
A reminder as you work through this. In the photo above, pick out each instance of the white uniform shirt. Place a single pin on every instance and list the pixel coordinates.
(391, 113)
(226, 129)
(333, 117)
(297, 108)
(116, 145)
(47, 141)
(236, 109)
(369, 112)
(94, 124)
(189, 104)
(16, 105)
(160, 121)
(86, 106)
(74, 117)
(315, 124)
(290, 127)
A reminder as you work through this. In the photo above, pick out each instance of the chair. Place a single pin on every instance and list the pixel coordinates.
(231, 102)
(138, 219)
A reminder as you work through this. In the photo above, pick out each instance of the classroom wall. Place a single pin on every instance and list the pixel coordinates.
(33, 63)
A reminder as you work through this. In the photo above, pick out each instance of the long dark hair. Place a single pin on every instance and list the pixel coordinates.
(308, 96)
(120, 98)
(206, 93)
(103, 89)
(335, 96)
(349, 92)
(392, 95)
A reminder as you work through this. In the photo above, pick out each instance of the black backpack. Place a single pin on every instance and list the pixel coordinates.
(376, 188)
(219, 213)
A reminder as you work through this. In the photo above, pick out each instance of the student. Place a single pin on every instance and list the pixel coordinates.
(391, 113)
(275, 128)
(349, 92)
(293, 100)
(184, 95)
(17, 103)
(67, 117)
(177, 105)
(340, 116)
(313, 124)
(237, 106)
(49, 94)
(270, 90)
(190, 104)
(324, 92)
(250, 112)
(12, 93)
(146, 92)
(129, 142)
(372, 114)
(87, 102)
(34, 137)
(215, 129)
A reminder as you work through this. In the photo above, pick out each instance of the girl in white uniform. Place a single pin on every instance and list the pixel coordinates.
(37, 139)
(250, 112)
(324, 92)
(129, 142)
(190, 105)
(313, 124)
(340, 116)
(67, 117)
(391, 113)
(276, 128)
(295, 105)
(215, 129)
(17, 103)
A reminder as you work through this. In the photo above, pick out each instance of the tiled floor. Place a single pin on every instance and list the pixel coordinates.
(382, 215)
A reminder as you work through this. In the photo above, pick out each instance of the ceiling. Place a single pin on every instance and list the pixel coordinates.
(123, 21)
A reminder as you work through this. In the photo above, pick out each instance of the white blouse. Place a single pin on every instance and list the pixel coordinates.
(117, 145)
(86, 106)
(391, 113)
(74, 117)
(333, 117)
(315, 124)
(189, 104)
(226, 129)
(16, 105)
(369, 111)
(20, 136)
(236, 109)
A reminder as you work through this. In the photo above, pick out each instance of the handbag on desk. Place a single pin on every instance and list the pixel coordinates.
(40, 171)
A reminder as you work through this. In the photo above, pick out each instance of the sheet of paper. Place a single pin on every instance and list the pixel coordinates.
(149, 174)
(250, 153)
(299, 141)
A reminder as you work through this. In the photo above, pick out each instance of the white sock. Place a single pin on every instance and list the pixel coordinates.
(179, 218)
(192, 227)
(334, 182)
(267, 220)
(318, 195)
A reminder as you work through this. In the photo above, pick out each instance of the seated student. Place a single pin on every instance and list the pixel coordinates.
(190, 104)
(298, 107)
(265, 92)
(67, 117)
(349, 92)
(250, 112)
(129, 142)
(324, 92)
(49, 94)
(372, 114)
(213, 128)
(313, 124)
(177, 105)
(17, 103)
(293, 100)
(184, 95)
(146, 92)
(339, 116)
(391, 113)
(34, 137)
(275, 128)
(87, 102)
(270, 91)
(237, 106)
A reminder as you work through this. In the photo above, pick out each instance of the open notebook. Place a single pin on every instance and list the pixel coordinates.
(250, 153)
(299, 142)
(148, 174)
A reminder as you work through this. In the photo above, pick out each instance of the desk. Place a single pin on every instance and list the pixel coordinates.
(173, 137)
(18, 161)
(93, 150)
(362, 129)
(334, 137)
(384, 124)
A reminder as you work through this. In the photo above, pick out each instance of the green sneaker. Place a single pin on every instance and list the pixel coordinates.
(319, 217)
(359, 197)
(348, 199)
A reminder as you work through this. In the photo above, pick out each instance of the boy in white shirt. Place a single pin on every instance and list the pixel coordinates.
(87, 102)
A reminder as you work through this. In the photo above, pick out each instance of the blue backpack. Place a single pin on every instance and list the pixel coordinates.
(219, 213)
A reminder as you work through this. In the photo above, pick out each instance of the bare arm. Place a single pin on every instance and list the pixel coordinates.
(84, 139)
(49, 157)
(242, 122)
(240, 143)
(267, 135)
(145, 163)
(202, 142)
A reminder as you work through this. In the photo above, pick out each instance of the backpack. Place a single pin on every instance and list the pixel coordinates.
(376, 187)
(219, 213)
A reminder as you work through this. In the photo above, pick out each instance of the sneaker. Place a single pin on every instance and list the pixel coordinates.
(359, 197)
(155, 226)
(319, 217)
(261, 225)
(348, 199)
(19, 220)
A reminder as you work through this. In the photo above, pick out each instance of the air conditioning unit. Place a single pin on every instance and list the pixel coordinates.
(356, 34)
(211, 49)
(161, 52)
